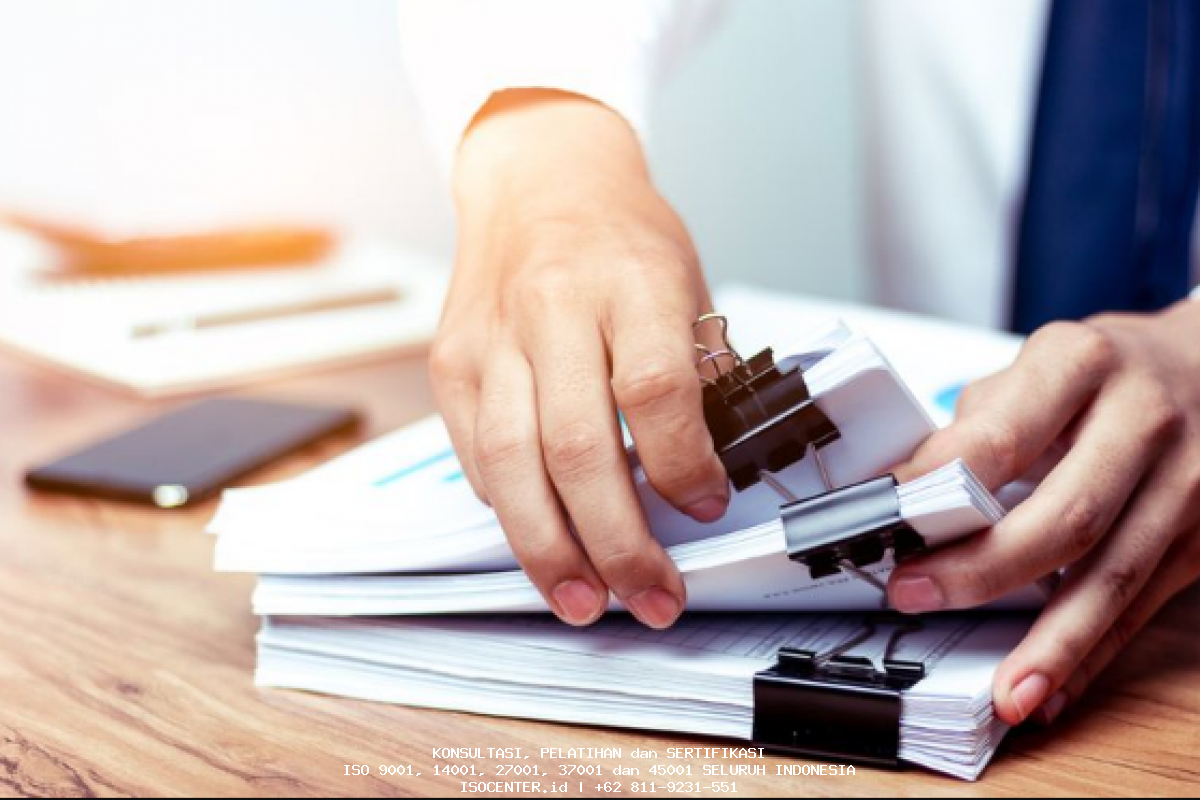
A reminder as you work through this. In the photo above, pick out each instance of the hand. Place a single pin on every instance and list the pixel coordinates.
(573, 297)
(1120, 511)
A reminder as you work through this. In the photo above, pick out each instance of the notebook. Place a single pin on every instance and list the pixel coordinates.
(390, 299)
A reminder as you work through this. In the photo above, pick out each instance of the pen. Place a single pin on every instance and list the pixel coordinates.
(220, 319)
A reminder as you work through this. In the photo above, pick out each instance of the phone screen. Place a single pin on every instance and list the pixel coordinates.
(190, 454)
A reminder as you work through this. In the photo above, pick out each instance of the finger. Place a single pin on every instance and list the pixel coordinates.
(1177, 571)
(582, 447)
(454, 376)
(1094, 595)
(510, 461)
(1022, 410)
(1064, 519)
(657, 388)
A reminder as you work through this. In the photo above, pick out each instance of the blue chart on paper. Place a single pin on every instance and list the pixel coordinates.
(429, 463)
(947, 398)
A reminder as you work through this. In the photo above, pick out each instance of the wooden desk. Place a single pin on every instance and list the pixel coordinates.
(125, 661)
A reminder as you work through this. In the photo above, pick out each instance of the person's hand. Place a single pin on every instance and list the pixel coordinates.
(573, 298)
(1121, 510)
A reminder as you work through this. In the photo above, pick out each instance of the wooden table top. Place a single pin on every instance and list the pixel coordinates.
(126, 662)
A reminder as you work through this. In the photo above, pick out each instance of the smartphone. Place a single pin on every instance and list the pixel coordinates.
(190, 454)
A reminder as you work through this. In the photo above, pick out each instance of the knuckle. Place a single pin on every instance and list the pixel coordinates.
(678, 475)
(1093, 348)
(1054, 335)
(1121, 584)
(1082, 519)
(1160, 411)
(539, 557)
(651, 261)
(652, 383)
(1089, 347)
(549, 284)
(449, 360)
(1071, 648)
(974, 586)
(626, 567)
(497, 446)
(1001, 445)
(576, 450)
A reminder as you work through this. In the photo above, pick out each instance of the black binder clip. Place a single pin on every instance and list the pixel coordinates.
(760, 413)
(849, 528)
(833, 705)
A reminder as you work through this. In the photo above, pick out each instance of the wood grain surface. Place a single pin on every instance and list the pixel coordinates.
(125, 661)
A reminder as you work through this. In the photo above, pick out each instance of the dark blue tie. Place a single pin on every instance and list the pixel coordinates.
(1115, 163)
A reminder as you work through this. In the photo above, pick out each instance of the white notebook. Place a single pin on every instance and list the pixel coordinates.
(87, 326)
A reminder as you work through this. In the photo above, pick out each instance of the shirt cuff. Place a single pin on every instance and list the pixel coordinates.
(459, 53)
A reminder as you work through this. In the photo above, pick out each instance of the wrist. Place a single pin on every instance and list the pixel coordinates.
(539, 149)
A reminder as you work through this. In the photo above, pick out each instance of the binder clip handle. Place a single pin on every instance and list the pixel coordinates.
(760, 413)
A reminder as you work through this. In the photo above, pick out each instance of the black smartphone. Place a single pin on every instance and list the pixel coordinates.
(190, 454)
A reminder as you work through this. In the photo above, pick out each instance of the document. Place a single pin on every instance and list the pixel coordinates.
(401, 504)
(382, 577)
(746, 570)
(695, 678)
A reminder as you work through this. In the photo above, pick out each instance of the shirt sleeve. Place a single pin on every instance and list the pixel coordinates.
(459, 52)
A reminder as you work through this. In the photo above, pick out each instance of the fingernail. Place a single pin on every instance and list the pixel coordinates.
(655, 607)
(1029, 694)
(709, 509)
(1053, 707)
(577, 601)
(917, 595)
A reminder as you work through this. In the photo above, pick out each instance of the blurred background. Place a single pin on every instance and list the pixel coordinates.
(135, 115)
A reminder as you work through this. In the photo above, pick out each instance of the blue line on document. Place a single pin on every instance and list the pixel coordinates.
(947, 398)
(414, 468)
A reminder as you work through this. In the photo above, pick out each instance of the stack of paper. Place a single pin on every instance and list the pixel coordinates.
(393, 529)
(400, 504)
(747, 569)
(695, 678)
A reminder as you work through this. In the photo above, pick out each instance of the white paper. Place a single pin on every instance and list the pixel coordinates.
(696, 677)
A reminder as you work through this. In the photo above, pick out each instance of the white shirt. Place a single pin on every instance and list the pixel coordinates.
(948, 97)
